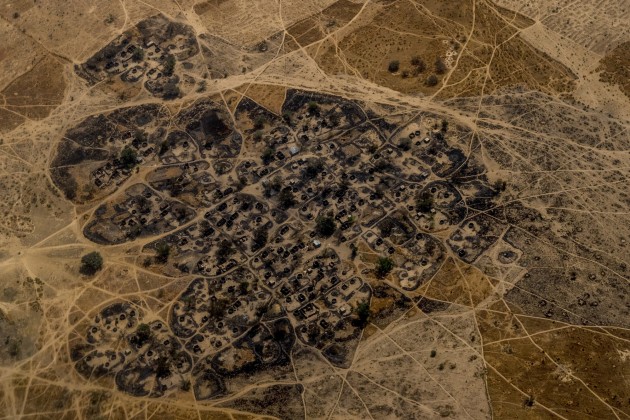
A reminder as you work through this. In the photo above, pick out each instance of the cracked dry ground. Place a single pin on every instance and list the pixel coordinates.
(271, 251)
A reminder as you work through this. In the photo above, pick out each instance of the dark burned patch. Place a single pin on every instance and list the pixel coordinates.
(271, 192)
(37, 92)
(281, 401)
(387, 305)
(429, 306)
(148, 54)
(615, 68)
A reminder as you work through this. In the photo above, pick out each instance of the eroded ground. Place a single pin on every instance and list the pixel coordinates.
(325, 210)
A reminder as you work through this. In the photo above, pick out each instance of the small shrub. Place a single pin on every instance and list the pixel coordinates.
(243, 287)
(440, 66)
(354, 251)
(91, 263)
(418, 64)
(433, 353)
(170, 90)
(268, 155)
(143, 334)
(259, 122)
(163, 147)
(393, 66)
(163, 251)
(405, 144)
(500, 186)
(432, 80)
(529, 401)
(313, 107)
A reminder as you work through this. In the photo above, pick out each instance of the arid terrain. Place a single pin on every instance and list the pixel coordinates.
(351, 209)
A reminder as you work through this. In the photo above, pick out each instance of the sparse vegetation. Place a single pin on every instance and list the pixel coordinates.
(432, 80)
(91, 263)
(418, 65)
(393, 66)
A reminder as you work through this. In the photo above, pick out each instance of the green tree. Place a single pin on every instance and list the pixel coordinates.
(313, 168)
(143, 334)
(325, 226)
(384, 266)
(440, 66)
(286, 198)
(138, 54)
(424, 202)
(169, 65)
(418, 64)
(363, 313)
(128, 157)
(261, 236)
(432, 80)
(225, 250)
(268, 155)
(91, 263)
(259, 122)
